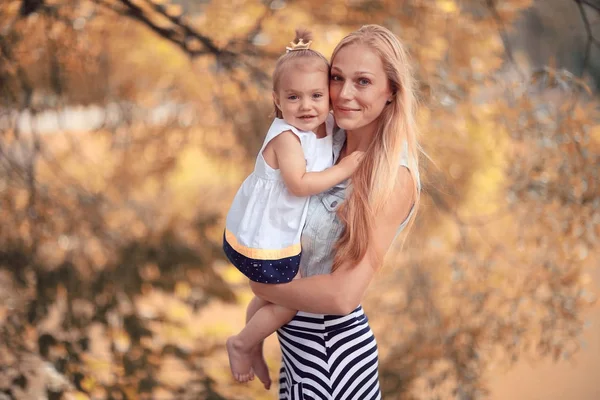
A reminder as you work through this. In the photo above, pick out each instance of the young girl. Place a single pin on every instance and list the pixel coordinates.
(264, 223)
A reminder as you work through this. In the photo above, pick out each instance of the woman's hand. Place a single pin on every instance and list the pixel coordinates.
(341, 291)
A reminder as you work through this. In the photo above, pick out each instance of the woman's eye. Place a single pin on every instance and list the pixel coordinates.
(336, 78)
(364, 81)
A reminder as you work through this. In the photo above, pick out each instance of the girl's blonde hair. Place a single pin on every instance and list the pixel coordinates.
(374, 180)
(295, 55)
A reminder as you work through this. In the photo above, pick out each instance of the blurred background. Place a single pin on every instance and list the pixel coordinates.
(126, 127)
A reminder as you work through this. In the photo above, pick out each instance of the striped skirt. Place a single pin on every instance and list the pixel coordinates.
(328, 357)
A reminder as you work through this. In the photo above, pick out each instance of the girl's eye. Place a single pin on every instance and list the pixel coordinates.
(317, 95)
(293, 97)
(364, 81)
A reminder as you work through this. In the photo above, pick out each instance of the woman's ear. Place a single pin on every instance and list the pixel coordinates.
(391, 98)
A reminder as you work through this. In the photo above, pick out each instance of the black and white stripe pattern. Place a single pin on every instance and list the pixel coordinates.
(328, 357)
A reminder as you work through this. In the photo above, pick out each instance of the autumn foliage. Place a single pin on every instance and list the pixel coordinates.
(126, 125)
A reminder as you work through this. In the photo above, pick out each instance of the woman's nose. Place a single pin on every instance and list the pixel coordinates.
(346, 91)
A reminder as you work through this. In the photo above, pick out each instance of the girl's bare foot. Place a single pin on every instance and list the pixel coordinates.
(259, 365)
(239, 360)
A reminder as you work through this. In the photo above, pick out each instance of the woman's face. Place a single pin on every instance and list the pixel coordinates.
(359, 88)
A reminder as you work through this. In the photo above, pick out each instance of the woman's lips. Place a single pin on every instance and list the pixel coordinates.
(345, 109)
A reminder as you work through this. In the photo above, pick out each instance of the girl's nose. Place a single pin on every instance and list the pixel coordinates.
(304, 104)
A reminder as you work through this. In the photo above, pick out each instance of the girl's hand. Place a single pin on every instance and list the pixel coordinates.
(351, 162)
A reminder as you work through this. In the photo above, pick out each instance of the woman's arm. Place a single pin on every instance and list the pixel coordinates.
(341, 291)
(290, 161)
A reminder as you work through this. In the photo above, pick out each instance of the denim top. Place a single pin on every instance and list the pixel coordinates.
(323, 227)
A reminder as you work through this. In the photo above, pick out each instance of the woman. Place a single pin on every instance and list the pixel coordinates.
(329, 351)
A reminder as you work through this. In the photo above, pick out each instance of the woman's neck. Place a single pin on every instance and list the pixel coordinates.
(359, 139)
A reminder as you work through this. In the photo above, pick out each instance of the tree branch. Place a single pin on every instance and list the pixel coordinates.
(502, 31)
(590, 4)
(188, 31)
(134, 12)
(182, 34)
(590, 36)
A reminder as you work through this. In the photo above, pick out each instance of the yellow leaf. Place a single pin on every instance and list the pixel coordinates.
(447, 6)
(232, 276)
(183, 290)
(121, 341)
(595, 134)
(88, 383)
(77, 396)
(178, 312)
(174, 10)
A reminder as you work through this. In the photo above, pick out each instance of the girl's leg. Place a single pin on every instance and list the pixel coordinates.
(255, 304)
(257, 359)
(241, 367)
(242, 347)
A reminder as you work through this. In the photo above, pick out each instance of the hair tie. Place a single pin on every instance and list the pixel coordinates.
(298, 46)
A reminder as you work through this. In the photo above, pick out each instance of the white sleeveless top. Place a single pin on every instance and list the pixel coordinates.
(265, 220)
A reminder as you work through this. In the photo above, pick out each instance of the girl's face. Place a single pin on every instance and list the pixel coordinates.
(359, 88)
(303, 94)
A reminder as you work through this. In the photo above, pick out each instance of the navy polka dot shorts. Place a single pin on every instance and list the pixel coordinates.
(263, 271)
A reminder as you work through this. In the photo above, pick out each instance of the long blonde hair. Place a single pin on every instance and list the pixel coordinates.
(374, 180)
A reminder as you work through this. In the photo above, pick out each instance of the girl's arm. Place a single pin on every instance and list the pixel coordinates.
(341, 291)
(291, 163)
